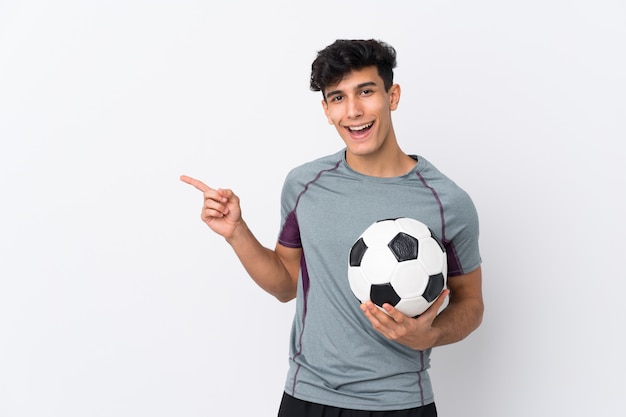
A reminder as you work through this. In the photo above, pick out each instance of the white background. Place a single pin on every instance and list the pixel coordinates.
(115, 300)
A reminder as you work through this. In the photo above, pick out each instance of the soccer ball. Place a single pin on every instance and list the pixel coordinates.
(400, 262)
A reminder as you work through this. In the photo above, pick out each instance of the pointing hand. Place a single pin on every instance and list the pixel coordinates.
(220, 210)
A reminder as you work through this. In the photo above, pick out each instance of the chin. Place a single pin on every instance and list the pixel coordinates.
(362, 149)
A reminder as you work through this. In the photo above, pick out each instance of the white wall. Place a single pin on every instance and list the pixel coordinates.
(115, 300)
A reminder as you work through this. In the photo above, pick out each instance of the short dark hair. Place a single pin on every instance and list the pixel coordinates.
(335, 61)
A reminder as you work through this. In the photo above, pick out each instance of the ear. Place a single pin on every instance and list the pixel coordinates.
(394, 96)
(326, 112)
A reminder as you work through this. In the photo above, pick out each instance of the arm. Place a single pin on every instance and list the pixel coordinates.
(464, 312)
(461, 317)
(275, 271)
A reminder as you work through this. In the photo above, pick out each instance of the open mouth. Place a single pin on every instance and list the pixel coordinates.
(360, 129)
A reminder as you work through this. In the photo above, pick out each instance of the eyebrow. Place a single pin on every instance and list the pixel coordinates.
(358, 87)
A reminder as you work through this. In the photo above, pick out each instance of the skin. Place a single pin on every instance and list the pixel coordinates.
(462, 315)
(275, 271)
(358, 100)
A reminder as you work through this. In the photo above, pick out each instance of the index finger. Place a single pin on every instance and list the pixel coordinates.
(436, 306)
(196, 183)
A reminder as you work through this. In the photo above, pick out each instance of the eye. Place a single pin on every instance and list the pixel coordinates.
(336, 99)
(367, 92)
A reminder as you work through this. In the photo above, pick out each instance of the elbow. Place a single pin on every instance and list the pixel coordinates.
(287, 290)
(473, 318)
(285, 296)
(480, 311)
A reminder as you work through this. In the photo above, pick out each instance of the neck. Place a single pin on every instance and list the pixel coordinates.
(384, 166)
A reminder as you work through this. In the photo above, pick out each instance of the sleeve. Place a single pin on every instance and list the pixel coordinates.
(289, 234)
(462, 233)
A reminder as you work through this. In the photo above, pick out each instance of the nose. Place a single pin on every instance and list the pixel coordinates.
(354, 109)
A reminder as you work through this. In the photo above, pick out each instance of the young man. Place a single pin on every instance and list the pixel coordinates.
(349, 359)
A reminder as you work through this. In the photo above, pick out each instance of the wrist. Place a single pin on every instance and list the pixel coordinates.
(430, 341)
(240, 230)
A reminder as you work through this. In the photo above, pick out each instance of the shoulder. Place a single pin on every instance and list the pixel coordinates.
(429, 172)
(431, 176)
(299, 178)
(310, 170)
(451, 195)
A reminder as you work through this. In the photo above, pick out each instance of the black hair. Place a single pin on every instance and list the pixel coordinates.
(335, 61)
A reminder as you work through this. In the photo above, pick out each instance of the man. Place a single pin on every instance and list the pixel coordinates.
(347, 358)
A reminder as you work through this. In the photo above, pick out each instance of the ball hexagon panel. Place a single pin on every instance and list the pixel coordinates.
(413, 307)
(378, 264)
(380, 233)
(359, 284)
(412, 227)
(409, 279)
(431, 255)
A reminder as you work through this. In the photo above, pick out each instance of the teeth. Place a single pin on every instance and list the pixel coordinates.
(357, 128)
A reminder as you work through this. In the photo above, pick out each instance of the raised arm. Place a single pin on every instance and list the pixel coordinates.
(275, 271)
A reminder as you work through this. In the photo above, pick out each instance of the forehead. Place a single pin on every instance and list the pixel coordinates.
(355, 78)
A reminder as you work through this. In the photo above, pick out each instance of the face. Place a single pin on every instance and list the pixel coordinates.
(360, 109)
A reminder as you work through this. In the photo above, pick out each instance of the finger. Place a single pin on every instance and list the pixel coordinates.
(209, 213)
(196, 183)
(369, 314)
(381, 321)
(215, 203)
(394, 313)
(228, 195)
(378, 317)
(434, 308)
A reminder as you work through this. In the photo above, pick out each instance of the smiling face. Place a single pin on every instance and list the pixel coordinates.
(360, 109)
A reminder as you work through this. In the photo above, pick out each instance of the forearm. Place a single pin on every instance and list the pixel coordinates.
(263, 265)
(458, 320)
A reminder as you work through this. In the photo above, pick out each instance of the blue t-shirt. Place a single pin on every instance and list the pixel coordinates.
(336, 357)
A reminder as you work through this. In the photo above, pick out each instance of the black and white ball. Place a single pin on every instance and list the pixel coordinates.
(400, 262)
